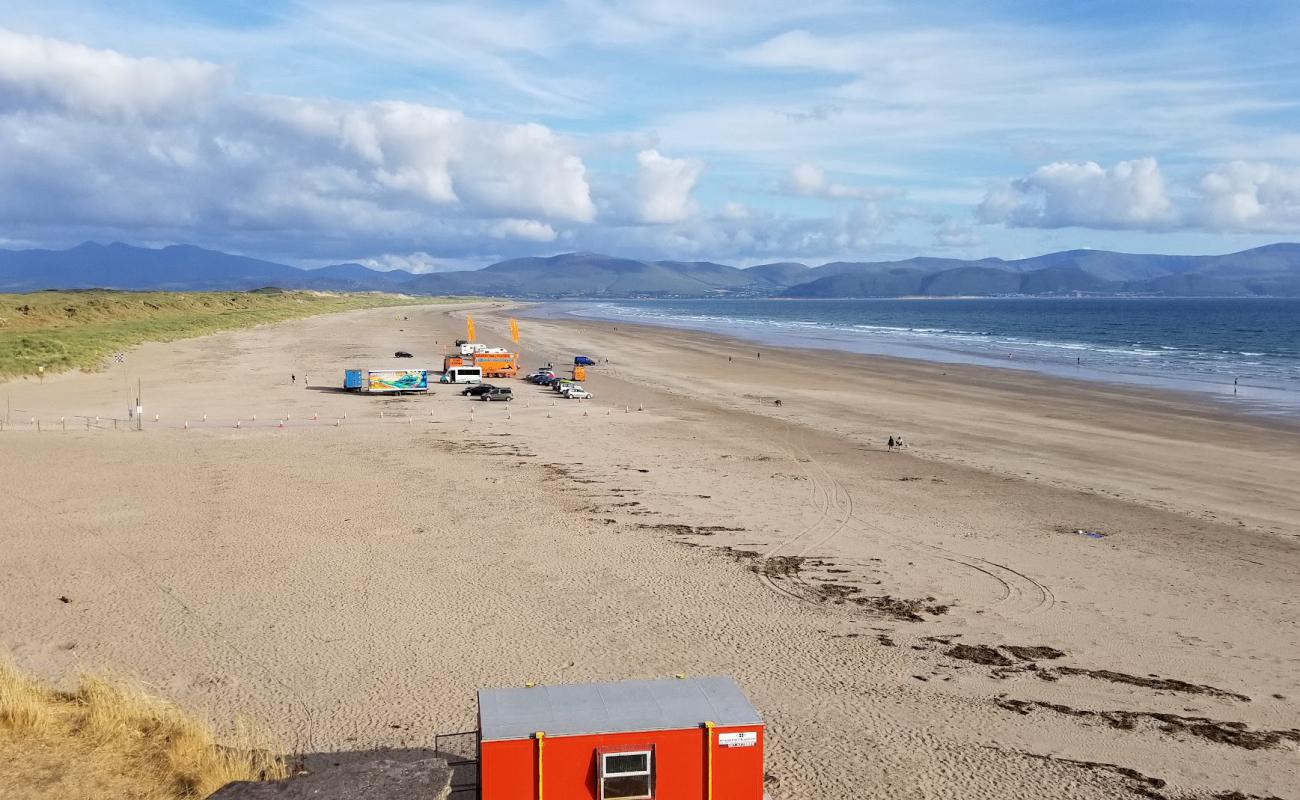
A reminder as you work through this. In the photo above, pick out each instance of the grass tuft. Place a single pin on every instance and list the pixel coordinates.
(112, 739)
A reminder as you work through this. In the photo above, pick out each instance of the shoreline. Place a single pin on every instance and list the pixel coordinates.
(1160, 449)
(1196, 403)
(1261, 398)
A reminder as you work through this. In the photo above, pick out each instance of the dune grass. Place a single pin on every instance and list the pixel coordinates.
(111, 739)
(57, 331)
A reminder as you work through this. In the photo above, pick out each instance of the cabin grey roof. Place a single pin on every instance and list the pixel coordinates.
(626, 706)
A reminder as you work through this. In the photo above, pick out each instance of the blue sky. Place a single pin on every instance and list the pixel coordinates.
(438, 135)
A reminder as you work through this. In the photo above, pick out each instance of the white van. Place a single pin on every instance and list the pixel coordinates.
(463, 375)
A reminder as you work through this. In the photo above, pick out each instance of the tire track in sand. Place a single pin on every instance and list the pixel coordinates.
(1019, 594)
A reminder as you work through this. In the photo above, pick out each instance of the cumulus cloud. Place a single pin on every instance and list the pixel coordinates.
(1258, 197)
(411, 262)
(809, 180)
(750, 235)
(949, 233)
(1129, 195)
(528, 229)
(662, 187)
(36, 72)
(84, 144)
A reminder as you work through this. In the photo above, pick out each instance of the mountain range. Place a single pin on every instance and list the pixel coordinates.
(1271, 270)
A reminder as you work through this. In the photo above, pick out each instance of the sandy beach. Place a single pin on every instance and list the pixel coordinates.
(1056, 590)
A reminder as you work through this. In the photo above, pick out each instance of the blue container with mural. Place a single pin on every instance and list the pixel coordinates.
(386, 381)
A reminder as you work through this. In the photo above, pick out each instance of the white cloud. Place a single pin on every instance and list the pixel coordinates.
(662, 187)
(36, 73)
(809, 180)
(82, 146)
(411, 262)
(528, 229)
(799, 49)
(951, 234)
(1259, 197)
(1131, 195)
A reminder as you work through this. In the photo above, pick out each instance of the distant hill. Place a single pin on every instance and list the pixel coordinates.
(1270, 270)
(121, 266)
(594, 275)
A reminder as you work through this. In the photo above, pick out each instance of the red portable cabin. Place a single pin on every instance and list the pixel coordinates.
(675, 739)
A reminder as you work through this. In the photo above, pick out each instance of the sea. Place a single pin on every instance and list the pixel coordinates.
(1240, 351)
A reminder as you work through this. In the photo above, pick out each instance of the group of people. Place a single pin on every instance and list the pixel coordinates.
(895, 443)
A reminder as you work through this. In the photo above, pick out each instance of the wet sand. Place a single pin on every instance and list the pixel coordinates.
(919, 624)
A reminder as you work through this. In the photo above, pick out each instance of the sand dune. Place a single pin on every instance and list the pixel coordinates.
(353, 584)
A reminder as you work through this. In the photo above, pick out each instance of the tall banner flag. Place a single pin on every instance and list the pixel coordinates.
(469, 328)
(514, 330)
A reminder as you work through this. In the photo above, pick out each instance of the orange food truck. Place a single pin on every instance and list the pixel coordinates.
(494, 365)
(674, 739)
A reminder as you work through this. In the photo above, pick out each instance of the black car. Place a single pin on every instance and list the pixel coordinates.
(402, 354)
(477, 390)
(497, 393)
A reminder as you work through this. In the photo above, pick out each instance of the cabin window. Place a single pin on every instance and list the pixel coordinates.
(626, 776)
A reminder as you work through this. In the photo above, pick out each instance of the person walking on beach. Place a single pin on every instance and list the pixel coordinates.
(891, 444)
(293, 379)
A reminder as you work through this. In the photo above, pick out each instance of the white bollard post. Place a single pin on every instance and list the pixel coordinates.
(640, 407)
(254, 418)
(281, 425)
(155, 417)
(205, 417)
(336, 422)
(345, 416)
(185, 425)
(236, 423)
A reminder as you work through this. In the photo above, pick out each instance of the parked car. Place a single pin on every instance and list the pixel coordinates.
(477, 389)
(402, 354)
(498, 393)
(583, 361)
(560, 384)
(564, 390)
(578, 393)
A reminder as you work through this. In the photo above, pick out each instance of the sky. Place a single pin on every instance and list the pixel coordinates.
(433, 136)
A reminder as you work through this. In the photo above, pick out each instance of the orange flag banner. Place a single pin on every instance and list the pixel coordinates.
(514, 330)
(469, 328)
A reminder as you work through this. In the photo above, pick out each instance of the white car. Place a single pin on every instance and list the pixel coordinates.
(577, 393)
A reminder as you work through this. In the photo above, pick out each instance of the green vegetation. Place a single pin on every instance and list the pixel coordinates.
(59, 331)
